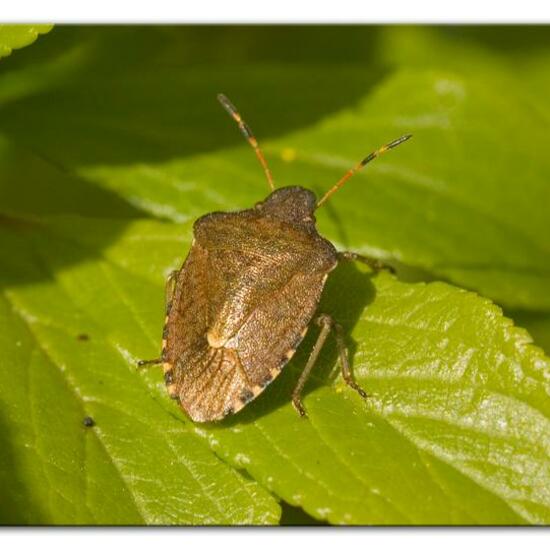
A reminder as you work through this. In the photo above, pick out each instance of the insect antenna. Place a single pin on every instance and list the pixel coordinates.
(247, 133)
(358, 167)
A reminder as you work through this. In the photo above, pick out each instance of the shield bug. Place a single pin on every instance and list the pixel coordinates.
(246, 294)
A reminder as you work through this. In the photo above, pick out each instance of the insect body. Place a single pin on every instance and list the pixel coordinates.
(243, 300)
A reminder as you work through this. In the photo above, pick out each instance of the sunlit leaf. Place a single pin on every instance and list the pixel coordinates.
(18, 36)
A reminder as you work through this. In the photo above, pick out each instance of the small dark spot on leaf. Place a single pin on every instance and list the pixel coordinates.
(88, 421)
(83, 337)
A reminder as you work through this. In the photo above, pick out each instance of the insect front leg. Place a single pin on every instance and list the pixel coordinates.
(327, 323)
(169, 294)
(373, 263)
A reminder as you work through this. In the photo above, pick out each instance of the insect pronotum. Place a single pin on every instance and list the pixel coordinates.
(246, 294)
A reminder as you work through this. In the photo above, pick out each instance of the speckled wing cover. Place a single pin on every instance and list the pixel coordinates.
(243, 300)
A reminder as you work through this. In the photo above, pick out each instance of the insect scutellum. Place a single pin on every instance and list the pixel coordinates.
(249, 136)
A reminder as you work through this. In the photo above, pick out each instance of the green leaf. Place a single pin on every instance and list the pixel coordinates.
(455, 429)
(105, 161)
(538, 325)
(13, 37)
(139, 463)
(424, 207)
(458, 201)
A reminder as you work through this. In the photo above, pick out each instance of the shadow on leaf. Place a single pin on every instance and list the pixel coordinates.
(148, 94)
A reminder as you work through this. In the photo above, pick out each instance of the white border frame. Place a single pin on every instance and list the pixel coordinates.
(276, 11)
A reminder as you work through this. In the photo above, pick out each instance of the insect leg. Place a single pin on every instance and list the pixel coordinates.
(169, 293)
(373, 263)
(325, 322)
(347, 375)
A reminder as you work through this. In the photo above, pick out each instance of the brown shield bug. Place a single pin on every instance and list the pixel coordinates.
(245, 296)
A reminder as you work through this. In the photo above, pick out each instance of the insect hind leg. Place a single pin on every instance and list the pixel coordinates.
(327, 324)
